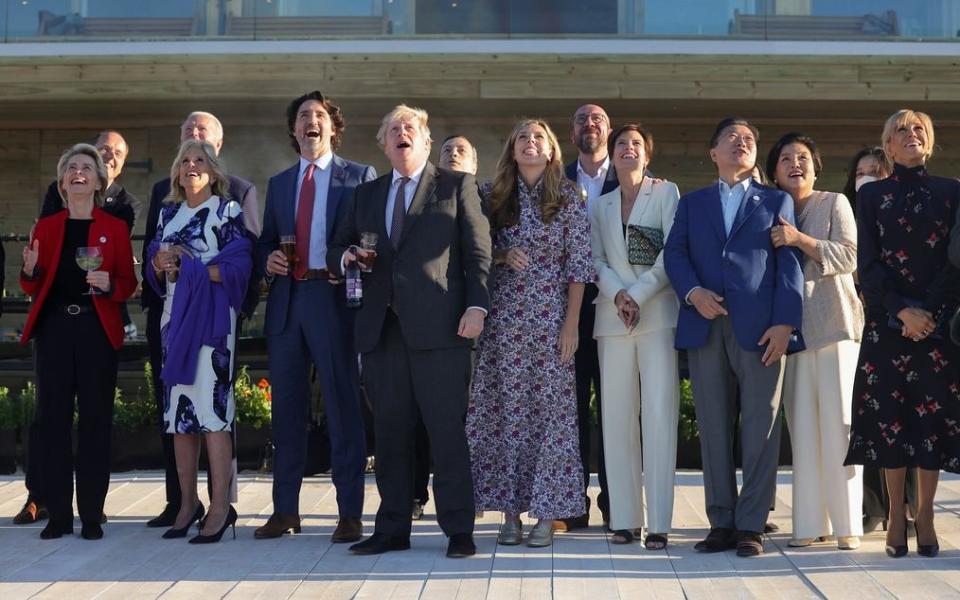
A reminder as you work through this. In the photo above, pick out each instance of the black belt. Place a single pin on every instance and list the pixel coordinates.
(315, 274)
(74, 309)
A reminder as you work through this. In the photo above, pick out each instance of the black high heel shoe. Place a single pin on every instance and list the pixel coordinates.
(928, 550)
(174, 533)
(899, 551)
(230, 521)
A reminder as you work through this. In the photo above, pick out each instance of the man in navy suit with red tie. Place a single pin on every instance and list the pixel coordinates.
(307, 318)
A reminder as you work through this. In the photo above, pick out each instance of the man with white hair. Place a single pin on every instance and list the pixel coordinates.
(423, 303)
(198, 126)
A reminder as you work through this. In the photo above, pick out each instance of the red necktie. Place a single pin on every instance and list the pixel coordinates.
(304, 220)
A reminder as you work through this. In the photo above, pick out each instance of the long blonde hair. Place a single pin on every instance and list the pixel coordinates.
(504, 198)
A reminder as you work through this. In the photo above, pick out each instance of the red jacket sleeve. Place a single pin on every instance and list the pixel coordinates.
(123, 281)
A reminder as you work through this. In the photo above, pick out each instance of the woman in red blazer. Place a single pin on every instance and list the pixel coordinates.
(76, 335)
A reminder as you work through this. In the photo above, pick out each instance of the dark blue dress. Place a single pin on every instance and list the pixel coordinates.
(906, 397)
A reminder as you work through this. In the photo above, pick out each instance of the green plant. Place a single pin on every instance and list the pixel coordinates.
(9, 410)
(28, 403)
(132, 414)
(252, 400)
(688, 416)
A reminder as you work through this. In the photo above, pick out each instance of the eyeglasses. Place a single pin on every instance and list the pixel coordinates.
(595, 118)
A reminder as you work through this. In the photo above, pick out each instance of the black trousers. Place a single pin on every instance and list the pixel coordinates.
(172, 482)
(405, 385)
(876, 500)
(421, 464)
(587, 366)
(74, 359)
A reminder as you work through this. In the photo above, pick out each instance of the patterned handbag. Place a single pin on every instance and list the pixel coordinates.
(643, 245)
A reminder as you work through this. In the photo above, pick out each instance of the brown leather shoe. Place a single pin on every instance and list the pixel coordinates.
(277, 525)
(30, 513)
(349, 529)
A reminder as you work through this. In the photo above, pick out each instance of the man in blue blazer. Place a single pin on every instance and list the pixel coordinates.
(741, 305)
(307, 318)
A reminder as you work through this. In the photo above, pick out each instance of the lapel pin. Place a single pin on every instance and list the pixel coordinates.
(756, 197)
(103, 239)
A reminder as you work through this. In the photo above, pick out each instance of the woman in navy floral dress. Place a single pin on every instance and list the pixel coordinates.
(201, 260)
(522, 420)
(906, 399)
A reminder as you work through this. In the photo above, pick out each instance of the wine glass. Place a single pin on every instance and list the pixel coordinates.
(89, 258)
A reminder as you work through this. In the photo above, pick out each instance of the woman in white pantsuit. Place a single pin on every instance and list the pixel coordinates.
(818, 382)
(635, 324)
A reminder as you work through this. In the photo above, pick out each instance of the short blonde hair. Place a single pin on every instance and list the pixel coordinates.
(409, 113)
(219, 182)
(82, 150)
(898, 120)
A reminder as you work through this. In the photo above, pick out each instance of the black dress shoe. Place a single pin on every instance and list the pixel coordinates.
(166, 518)
(579, 522)
(718, 540)
(56, 529)
(749, 543)
(349, 529)
(461, 545)
(378, 543)
(91, 531)
(31, 512)
(871, 524)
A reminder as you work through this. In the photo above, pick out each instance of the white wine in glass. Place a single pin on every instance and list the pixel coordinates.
(89, 258)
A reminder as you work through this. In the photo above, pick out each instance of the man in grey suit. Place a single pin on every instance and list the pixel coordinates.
(424, 301)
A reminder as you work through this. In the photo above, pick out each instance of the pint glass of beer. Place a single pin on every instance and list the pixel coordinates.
(288, 245)
(368, 251)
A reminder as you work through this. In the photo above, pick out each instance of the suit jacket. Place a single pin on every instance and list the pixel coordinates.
(648, 285)
(116, 201)
(279, 219)
(609, 184)
(761, 285)
(106, 231)
(440, 267)
(241, 190)
(3, 265)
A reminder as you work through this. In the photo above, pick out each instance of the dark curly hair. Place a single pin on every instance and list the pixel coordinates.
(332, 108)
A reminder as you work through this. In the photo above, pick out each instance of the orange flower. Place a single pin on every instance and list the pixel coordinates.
(269, 396)
(263, 384)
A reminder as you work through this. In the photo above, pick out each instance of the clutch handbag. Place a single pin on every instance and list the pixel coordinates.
(643, 245)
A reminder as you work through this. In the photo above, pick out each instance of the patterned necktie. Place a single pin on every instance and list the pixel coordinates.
(304, 220)
(399, 212)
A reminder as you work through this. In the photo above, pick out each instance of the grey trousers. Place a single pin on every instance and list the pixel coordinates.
(716, 369)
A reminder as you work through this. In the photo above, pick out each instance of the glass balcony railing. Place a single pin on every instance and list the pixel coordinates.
(73, 20)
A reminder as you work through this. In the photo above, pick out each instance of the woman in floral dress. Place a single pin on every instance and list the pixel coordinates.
(522, 420)
(906, 399)
(201, 259)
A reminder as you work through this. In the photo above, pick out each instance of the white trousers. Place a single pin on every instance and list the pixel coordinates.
(632, 473)
(818, 392)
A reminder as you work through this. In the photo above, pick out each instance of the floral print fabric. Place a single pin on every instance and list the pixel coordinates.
(208, 404)
(906, 398)
(522, 419)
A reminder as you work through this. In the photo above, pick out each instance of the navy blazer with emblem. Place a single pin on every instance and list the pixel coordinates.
(761, 285)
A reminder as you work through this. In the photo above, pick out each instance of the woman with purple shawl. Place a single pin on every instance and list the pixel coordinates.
(201, 259)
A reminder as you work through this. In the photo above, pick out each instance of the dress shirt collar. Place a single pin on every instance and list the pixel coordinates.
(321, 163)
(601, 172)
(741, 186)
(415, 177)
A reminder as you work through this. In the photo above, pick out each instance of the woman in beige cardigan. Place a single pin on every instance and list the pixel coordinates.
(635, 322)
(818, 382)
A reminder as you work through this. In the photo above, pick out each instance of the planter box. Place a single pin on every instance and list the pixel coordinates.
(138, 449)
(253, 447)
(8, 451)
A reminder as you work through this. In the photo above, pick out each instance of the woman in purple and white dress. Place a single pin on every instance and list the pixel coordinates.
(201, 260)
